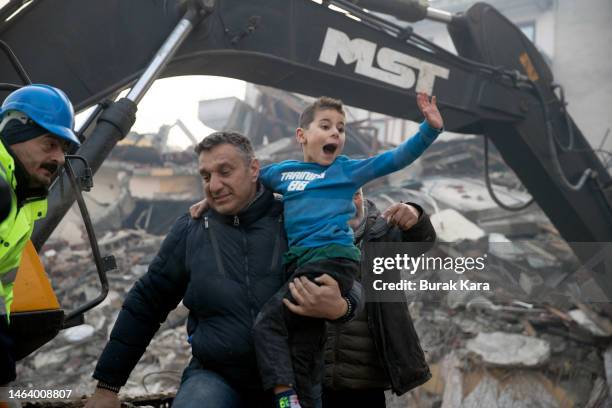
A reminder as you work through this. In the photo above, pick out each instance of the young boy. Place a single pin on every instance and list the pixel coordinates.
(318, 203)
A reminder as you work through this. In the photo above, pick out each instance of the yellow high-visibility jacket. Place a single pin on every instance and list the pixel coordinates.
(15, 231)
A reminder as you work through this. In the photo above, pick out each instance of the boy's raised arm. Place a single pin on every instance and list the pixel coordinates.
(430, 111)
(407, 152)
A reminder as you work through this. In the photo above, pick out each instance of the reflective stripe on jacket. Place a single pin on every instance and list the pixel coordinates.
(15, 231)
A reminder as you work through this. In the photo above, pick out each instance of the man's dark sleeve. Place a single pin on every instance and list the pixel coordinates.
(5, 199)
(146, 306)
(422, 231)
(355, 298)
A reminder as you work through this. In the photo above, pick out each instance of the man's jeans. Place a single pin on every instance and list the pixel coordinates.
(204, 388)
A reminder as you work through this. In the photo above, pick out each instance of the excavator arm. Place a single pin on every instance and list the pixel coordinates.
(98, 48)
(498, 86)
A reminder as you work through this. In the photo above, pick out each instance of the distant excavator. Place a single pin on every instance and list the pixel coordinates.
(498, 86)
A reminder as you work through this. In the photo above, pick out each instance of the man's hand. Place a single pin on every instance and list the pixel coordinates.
(430, 110)
(323, 302)
(103, 399)
(403, 215)
(198, 209)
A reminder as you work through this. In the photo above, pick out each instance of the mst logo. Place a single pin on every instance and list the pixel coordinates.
(396, 68)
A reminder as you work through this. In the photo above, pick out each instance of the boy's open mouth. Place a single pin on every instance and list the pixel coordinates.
(330, 148)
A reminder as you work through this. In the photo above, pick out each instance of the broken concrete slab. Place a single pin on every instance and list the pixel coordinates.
(511, 227)
(452, 226)
(484, 395)
(453, 381)
(512, 388)
(508, 349)
(599, 395)
(530, 282)
(469, 194)
(502, 247)
(527, 391)
(459, 298)
(78, 333)
(586, 323)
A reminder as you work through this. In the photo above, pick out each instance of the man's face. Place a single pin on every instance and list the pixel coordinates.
(41, 157)
(358, 201)
(323, 140)
(229, 182)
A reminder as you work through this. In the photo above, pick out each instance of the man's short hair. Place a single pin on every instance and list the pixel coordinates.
(239, 141)
(322, 103)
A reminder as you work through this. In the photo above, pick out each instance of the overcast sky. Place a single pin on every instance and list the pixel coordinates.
(175, 98)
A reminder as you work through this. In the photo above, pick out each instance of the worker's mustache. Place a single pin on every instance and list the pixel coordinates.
(50, 167)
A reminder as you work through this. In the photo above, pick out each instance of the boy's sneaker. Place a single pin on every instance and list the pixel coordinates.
(287, 399)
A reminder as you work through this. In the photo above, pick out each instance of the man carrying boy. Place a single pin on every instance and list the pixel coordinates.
(318, 204)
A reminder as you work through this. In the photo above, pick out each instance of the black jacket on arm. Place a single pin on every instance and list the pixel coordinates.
(380, 347)
(224, 268)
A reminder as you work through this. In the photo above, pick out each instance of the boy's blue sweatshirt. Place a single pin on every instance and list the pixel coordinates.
(318, 200)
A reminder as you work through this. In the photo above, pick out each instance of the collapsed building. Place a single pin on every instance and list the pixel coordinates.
(538, 339)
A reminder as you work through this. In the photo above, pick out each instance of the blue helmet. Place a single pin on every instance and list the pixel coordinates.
(47, 106)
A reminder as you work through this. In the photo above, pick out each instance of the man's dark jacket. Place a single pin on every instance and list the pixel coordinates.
(380, 347)
(224, 268)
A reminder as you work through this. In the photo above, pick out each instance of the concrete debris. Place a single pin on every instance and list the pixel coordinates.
(510, 226)
(599, 395)
(453, 380)
(527, 391)
(78, 333)
(607, 383)
(470, 326)
(530, 282)
(583, 320)
(603, 324)
(451, 226)
(480, 302)
(70, 358)
(468, 194)
(459, 298)
(590, 292)
(507, 349)
(484, 395)
(503, 248)
(42, 360)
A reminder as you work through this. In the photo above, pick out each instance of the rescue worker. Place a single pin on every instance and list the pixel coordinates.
(36, 130)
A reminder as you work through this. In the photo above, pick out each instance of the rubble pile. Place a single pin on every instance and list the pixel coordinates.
(494, 349)
(497, 356)
(69, 360)
(541, 336)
